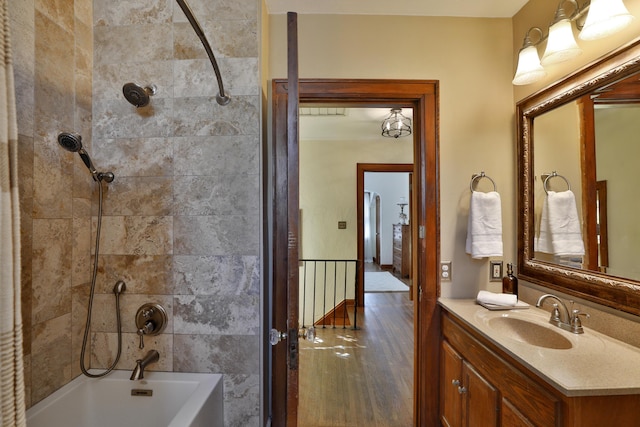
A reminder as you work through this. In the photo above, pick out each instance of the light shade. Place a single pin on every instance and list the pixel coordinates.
(396, 125)
(605, 17)
(561, 45)
(529, 69)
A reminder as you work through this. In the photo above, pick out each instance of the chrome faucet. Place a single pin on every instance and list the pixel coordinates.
(138, 372)
(567, 321)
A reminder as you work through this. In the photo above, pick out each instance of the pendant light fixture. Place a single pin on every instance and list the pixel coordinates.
(605, 17)
(561, 44)
(529, 69)
(396, 125)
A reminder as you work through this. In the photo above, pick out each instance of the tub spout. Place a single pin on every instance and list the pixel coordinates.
(138, 372)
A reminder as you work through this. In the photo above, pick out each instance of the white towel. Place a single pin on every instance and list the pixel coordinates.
(503, 300)
(484, 230)
(543, 242)
(560, 229)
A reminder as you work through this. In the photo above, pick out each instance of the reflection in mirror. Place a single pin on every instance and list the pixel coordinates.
(557, 165)
(584, 129)
(617, 153)
(557, 135)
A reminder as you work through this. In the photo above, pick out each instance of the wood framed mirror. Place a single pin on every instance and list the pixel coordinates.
(576, 147)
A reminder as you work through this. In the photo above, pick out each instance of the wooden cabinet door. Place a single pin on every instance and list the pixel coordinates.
(481, 399)
(450, 380)
(512, 417)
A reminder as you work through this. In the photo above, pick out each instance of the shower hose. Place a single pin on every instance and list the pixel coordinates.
(117, 290)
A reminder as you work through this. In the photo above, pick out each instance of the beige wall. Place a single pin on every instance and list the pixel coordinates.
(328, 192)
(471, 58)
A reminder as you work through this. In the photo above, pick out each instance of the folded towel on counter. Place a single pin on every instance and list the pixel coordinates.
(504, 300)
(484, 229)
(560, 229)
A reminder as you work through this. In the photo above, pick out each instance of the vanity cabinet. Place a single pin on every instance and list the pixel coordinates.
(469, 399)
(482, 385)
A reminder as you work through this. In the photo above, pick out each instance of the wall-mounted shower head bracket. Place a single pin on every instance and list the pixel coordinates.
(223, 100)
(105, 176)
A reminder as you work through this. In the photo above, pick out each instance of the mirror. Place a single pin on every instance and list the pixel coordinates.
(578, 135)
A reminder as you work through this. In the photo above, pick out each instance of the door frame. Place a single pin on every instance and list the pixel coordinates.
(422, 96)
(377, 222)
(362, 169)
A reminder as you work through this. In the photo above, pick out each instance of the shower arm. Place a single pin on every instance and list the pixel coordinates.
(222, 98)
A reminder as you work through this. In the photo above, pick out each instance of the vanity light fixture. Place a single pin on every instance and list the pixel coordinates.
(529, 69)
(561, 44)
(604, 17)
(396, 125)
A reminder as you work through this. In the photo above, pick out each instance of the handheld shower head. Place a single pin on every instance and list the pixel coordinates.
(137, 95)
(73, 142)
(70, 141)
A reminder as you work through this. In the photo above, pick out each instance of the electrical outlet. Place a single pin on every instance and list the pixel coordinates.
(495, 271)
(445, 271)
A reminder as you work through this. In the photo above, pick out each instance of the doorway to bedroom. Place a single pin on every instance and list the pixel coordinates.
(386, 227)
(364, 375)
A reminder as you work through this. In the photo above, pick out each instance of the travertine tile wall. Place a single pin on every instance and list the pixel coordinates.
(53, 62)
(181, 224)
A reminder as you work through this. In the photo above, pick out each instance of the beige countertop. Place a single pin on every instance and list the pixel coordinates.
(595, 365)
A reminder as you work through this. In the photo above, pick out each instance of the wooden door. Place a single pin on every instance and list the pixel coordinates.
(284, 355)
(422, 96)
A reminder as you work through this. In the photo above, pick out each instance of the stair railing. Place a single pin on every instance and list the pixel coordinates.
(328, 290)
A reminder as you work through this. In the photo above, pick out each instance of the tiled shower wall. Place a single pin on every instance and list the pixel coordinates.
(181, 220)
(52, 53)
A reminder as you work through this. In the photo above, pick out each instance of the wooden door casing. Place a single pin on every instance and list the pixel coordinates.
(362, 168)
(377, 230)
(422, 96)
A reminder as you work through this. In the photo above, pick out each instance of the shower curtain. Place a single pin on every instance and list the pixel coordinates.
(12, 406)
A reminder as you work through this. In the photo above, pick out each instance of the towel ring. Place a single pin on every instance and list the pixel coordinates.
(478, 176)
(552, 175)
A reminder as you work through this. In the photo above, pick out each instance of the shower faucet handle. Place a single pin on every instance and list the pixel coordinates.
(147, 329)
(147, 312)
(151, 319)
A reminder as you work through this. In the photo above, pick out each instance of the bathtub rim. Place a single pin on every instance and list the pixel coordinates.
(187, 413)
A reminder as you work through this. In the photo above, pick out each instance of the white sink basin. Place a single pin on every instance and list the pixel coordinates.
(529, 332)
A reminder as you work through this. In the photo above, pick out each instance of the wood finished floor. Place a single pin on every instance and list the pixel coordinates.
(353, 378)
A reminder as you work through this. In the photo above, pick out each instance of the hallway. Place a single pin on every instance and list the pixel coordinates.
(362, 377)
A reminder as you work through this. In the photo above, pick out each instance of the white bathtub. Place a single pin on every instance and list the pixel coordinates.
(177, 400)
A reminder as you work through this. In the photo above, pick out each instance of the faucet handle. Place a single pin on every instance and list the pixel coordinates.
(576, 324)
(148, 328)
(555, 313)
(141, 334)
